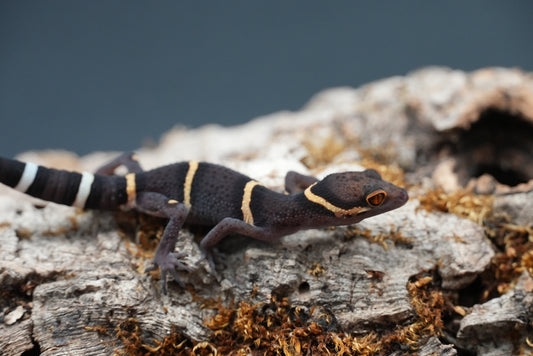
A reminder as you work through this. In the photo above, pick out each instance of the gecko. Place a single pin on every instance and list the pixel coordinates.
(209, 194)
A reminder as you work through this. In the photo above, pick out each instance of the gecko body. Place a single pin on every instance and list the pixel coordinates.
(213, 195)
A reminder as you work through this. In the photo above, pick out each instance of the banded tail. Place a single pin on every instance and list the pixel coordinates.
(83, 190)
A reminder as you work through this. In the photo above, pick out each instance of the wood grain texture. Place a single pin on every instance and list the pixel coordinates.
(77, 277)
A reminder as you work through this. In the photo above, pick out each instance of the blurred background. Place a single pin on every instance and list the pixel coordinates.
(111, 75)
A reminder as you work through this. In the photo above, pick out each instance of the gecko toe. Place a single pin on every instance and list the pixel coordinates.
(207, 256)
(163, 281)
(151, 268)
(178, 264)
(177, 278)
(169, 264)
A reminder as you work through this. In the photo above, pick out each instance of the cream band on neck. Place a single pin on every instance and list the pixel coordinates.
(334, 209)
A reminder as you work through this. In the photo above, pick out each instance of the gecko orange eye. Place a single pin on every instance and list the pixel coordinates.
(376, 198)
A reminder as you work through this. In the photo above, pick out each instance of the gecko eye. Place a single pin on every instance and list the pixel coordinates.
(376, 198)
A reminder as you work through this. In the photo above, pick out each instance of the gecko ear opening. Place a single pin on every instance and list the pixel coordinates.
(376, 198)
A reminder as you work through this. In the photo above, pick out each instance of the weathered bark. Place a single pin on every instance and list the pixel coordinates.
(69, 278)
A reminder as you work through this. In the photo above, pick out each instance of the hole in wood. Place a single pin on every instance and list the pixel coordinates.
(499, 144)
(304, 287)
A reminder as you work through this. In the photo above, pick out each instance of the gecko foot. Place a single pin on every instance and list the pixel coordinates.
(168, 264)
(209, 257)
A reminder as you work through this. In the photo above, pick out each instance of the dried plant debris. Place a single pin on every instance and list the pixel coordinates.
(389, 170)
(144, 230)
(279, 328)
(316, 270)
(463, 203)
(129, 333)
(514, 254)
(513, 243)
(340, 146)
(395, 237)
(323, 151)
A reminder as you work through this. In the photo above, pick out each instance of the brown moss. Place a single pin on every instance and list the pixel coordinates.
(144, 229)
(279, 328)
(129, 333)
(275, 328)
(141, 234)
(429, 304)
(322, 152)
(463, 203)
(395, 237)
(513, 243)
(383, 161)
(514, 254)
(316, 270)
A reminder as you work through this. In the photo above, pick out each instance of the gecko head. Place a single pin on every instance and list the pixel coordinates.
(354, 196)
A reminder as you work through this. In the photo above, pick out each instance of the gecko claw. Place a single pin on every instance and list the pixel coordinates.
(207, 256)
(169, 264)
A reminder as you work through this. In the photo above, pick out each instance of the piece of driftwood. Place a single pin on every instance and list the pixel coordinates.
(431, 278)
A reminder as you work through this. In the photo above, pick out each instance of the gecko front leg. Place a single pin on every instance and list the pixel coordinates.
(229, 226)
(165, 258)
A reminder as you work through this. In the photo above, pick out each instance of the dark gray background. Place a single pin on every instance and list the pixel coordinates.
(106, 75)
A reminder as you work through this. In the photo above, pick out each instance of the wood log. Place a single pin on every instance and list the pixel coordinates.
(449, 271)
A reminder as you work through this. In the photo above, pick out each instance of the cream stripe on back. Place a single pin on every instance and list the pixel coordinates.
(187, 186)
(131, 189)
(247, 215)
(27, 178)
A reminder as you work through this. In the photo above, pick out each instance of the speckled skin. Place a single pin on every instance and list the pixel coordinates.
(217, 196)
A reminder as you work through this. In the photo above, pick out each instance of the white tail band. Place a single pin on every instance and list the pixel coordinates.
(84, 190)
(27, 178)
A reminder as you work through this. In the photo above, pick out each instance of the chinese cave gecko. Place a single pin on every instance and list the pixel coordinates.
(209, 194)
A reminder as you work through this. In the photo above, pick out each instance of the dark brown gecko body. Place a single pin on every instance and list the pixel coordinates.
(213, 195)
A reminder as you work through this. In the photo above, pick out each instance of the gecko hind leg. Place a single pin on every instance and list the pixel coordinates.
(127, 159)
(165, 258)
(296, 182)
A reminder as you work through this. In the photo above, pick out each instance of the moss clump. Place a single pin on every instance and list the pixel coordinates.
(463, 203)
(279, 328)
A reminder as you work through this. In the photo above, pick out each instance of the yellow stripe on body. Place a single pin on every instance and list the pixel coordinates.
(131, 188)
(247, 215)
(193, 167)
(334, 209)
